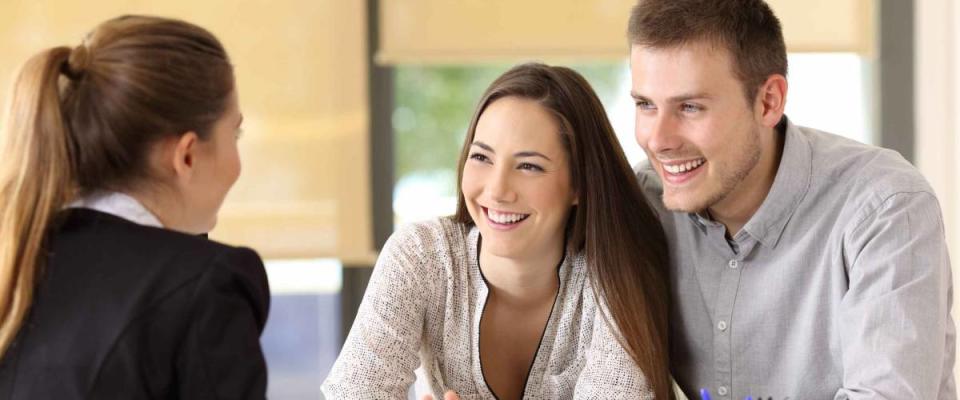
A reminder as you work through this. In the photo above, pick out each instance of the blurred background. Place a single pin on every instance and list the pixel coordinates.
(355, 111)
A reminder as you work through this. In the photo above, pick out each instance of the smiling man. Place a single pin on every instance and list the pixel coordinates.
(804, 265)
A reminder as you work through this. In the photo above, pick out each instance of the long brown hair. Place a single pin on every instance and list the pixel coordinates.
(84, 118)
(624, 242)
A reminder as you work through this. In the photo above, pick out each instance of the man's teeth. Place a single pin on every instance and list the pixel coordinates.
(681, 168)
(505, 218)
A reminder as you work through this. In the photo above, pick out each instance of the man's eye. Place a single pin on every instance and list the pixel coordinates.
(645, 105)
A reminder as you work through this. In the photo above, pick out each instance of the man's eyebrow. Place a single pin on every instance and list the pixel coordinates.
(688, 96)
(675, 99)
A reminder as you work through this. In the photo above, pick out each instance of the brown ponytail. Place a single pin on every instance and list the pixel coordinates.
(35, 181)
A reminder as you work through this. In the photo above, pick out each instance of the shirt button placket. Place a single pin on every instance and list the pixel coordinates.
(729, 284)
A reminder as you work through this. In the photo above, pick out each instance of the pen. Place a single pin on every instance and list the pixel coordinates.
(705, 395)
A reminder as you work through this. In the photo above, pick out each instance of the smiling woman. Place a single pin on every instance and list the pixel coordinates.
(521, 199)
(547, 283)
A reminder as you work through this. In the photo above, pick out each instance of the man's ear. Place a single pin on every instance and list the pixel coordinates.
(771, 100)
(184, 155)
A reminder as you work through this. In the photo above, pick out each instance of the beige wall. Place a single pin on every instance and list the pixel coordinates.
(301, 72)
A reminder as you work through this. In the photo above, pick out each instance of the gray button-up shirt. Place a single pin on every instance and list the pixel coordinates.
(838, 287)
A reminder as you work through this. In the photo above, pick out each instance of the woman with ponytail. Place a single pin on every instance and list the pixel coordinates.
(548, 283)
(116, 157)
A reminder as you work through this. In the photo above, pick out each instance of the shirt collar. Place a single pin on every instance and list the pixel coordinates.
(118, 204)
(789, 187)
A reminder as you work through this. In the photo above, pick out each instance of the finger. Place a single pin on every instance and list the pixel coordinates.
(427, 397)
(451, 395)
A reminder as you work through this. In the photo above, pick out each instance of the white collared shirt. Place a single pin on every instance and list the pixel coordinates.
(118, 204)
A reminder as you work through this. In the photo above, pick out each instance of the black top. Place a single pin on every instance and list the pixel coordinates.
(134, 312)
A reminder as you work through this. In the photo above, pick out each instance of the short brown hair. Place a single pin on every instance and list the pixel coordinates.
(748, 29)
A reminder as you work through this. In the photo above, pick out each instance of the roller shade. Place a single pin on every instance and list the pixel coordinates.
(465, 31)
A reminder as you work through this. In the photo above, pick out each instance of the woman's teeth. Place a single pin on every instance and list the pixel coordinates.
(681, 168)
(505, 218)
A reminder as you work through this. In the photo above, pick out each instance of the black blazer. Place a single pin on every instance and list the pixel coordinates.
(125, 311)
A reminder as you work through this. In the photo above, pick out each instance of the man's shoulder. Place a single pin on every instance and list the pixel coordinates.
(648, 179)
(864, 171)
(651, 186)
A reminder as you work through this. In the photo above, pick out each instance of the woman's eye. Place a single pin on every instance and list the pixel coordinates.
(479, 157)
(530, 167)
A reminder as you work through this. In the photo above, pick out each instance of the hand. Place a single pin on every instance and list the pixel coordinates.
(450, 395)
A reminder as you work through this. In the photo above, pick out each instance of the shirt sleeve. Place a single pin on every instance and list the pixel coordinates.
(610, 372)
(221, 357)
(897, 337)
(381, 352)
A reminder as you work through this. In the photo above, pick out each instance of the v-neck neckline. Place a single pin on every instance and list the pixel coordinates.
(484, 289)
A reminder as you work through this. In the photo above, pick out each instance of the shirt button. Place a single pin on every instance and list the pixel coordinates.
(722, 325)
(734, 264)
(722, 390)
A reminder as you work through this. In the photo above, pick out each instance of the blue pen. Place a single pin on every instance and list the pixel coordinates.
(705, 395)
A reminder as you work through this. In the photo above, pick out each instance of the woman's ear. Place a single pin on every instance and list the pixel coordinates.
(184, 155)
